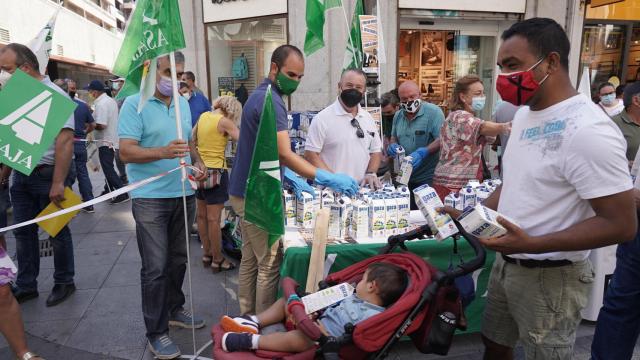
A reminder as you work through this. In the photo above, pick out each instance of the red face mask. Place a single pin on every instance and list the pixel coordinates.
(518, 87)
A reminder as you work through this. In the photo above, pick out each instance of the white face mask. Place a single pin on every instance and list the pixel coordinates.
(4, 77)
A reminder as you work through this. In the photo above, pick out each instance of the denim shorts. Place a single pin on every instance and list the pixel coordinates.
(218, 194)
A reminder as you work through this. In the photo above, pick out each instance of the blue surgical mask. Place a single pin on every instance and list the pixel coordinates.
(477, 102)
(607, 100)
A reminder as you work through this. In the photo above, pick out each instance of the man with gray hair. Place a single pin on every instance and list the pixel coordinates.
(149, 144)
(343, 138)
(31, 194)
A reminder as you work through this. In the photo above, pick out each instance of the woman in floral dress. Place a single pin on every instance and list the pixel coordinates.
(10, 319)
(463, 136)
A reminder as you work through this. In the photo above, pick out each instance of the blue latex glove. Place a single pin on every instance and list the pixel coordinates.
(338, 182)
(392, 149)
(418, 156)
(298, 184)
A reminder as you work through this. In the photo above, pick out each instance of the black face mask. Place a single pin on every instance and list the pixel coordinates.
(351, 97)
(72, 94)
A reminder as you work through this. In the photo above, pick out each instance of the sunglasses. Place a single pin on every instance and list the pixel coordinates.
(356, 125)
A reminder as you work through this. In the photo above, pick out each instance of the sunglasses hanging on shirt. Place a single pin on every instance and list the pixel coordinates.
(356, 125)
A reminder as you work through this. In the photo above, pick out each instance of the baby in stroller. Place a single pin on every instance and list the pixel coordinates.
(381, 286)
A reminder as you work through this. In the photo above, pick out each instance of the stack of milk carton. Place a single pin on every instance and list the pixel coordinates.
(369, 214)
(471, 194)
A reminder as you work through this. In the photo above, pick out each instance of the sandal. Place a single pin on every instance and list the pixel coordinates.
(30, 356)
(206, 261)
(217, 267)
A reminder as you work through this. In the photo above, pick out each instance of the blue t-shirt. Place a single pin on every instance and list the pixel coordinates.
(198, 104)
(155, 126)
(82, 116)
(248, 131)
(350, 310)
(420, 132)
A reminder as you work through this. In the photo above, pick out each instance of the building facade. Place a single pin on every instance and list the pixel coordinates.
(428, 41)
(86, 37)
(611, 43)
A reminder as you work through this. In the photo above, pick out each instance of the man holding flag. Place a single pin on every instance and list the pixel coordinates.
(255, 185)
(150, 129)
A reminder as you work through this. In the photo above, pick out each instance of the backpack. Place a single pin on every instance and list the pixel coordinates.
(240, 68)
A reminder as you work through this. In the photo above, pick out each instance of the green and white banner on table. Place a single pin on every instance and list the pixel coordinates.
(31, 116)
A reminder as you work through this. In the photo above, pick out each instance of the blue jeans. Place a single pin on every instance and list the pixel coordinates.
(160, 232)
(29, 196)
(80, 159)
(106, 155)
(618, 324)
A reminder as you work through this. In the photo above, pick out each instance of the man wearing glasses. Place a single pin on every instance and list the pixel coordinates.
(343, 138)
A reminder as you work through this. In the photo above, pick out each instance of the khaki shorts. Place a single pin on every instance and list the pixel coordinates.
(538, 306)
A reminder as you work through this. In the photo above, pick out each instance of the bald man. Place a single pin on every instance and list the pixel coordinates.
(416, 127)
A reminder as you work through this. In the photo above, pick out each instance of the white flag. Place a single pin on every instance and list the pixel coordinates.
(41, 44)
(584, 85)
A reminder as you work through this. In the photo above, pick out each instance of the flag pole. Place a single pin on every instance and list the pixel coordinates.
(346, 21)
(187, 226)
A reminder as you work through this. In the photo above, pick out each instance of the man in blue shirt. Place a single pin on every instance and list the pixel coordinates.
(259, 271)
(416, 127)
(197, 102)
(84, 124)
(149, 145)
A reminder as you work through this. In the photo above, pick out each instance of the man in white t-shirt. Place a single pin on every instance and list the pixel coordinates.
(343, 138)
(567, 187)
(106, 115)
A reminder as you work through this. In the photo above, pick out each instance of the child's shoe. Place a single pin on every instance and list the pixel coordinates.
(242, 324)
(236, 341)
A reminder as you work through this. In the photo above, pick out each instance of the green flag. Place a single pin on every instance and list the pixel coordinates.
(315, 16)
(263, 196)
(353, 56)
(31, 116)
(155, 29)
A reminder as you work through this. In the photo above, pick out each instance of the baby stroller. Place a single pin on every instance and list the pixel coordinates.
(428, 312)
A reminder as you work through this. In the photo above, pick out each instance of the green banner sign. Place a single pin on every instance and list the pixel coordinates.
(31, 116)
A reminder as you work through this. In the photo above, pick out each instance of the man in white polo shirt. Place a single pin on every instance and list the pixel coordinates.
(343, 138)
(567, 189)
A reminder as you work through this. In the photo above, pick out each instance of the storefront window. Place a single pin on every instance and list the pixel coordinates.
(602, 53)
(435, 60)
(239, 54)
(633, 67)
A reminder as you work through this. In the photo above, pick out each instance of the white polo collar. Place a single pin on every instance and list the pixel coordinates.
(340, 111)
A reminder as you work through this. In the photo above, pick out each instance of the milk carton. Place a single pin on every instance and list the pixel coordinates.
(360, 220)
(482, 193)
(481, 222)
(406, 168)
(335, 210)
(305, 211)
(404, 210)
(468, 196)
(473, 183)
(440, 223)
(377, 217)
(397, 160)
(403, 190)
(345, 215)
(289, 208)
(326, 198)
(391, 208)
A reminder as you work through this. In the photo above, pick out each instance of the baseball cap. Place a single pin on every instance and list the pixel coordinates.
(95, 85)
